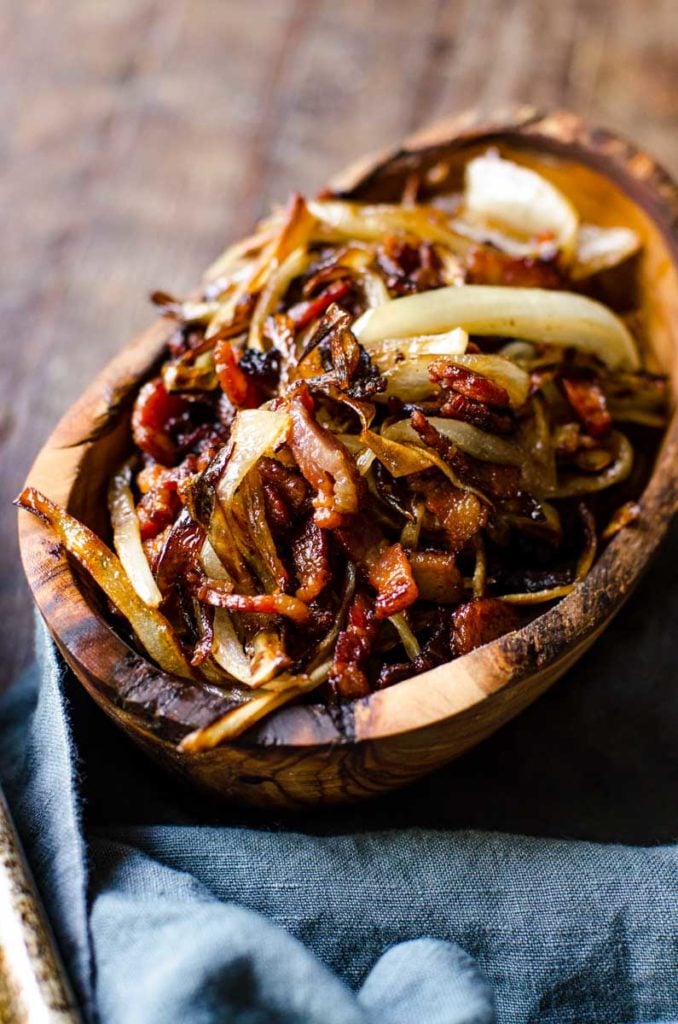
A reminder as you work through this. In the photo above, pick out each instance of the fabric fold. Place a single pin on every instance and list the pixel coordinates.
(339, 920)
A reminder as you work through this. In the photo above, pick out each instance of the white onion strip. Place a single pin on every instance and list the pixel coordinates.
(410, 379)
(535, 314)
(502, 193)
(475, 442)
(127, 538)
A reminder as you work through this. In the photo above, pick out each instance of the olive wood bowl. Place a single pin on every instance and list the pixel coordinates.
(309, 755)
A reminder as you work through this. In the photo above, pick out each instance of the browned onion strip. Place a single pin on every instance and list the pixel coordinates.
(234, 723)
(583, 567)
(150, 626)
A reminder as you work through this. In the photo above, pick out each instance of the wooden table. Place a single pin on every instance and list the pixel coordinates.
(139, 136)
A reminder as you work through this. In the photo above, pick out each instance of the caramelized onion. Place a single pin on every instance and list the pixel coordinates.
(535, 314)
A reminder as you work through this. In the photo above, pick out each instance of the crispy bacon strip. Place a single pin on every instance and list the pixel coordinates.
(479, 621)
(391, 576)
(219, 596)
(327, 467)
(310, 554)
(490, 266)
(461, 514)
(468, 383)
(240, 389)
(155, 411)
(587, 399)
(348, 678)
(306, 312)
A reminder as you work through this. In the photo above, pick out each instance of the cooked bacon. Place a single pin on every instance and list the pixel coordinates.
(180, 551)
(468, 383)
(220, 596)
(479, 621)
(306, 312)
(391, 576)
(157, 509)
(327, 467)
(490, 266)
(409, 268)
(498, 481)
(461, 514)
(437, 577)
(160, 501)
(459, 407)
(288, 482)
(310, 555)
(237, 385)
(206, 630)
(587, 399)
(277, 512)
(348, 678)
(156, 412)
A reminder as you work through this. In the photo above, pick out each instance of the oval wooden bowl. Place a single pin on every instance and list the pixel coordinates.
(305, 756)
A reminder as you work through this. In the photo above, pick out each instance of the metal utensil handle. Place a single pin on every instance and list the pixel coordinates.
(34, 988)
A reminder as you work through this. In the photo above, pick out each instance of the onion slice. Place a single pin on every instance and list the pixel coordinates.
(535, 314)
(255, 432)
(501, 193)
(236, 721)
(127, 538)
(470, 439)
(150, 626)
(601, 248)
(361, 222)
(390, 352)
(410, 381)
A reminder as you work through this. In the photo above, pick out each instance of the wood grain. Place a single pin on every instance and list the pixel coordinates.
(140, 135)
(309, 755)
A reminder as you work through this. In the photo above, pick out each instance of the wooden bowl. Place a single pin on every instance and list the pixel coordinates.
(307, 755)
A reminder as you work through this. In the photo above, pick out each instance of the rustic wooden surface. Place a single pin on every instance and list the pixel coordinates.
(139, 135)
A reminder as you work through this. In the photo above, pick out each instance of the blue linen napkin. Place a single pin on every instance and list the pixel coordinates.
(171, 910)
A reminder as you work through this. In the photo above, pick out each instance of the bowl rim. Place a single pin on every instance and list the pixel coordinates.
(557, 635)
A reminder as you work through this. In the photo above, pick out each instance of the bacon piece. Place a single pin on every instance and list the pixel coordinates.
(497, 480)
(160, 488)
(409, 268)
(290, 484)
(305, 312)
(326, 465)
(180, 552)
(348, 678)
(219, 596)
(437, 577)
(587, 399)
(206, 628)
(435, 651)
(468, 383)
(240, 389)
(478, 622)
(490, 266)
(310, 555)
(459, 407)
(461, 514)
(277, 512)
(391, 576)
(155, 412)
(157, 509)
